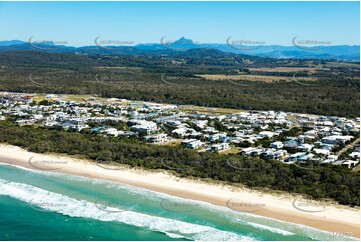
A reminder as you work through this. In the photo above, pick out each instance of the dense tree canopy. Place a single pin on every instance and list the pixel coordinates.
(174, 78)
(332, 182)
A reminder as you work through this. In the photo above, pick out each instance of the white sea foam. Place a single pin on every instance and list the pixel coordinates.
(273, 230)
(242, 216)
(176, 236)
(59, 203)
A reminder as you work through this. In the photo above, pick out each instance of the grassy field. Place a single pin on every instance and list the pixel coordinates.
(230, 151)
(255, 78)
(214, 111)
(287, 69)
(75, 98)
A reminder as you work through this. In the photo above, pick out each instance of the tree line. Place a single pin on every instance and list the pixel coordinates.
(318, 182)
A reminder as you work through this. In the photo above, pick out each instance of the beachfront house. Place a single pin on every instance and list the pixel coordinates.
(157, 138)
(192, 143)
(219, 147)
(247, 151)
(295, 157)
(144, 127)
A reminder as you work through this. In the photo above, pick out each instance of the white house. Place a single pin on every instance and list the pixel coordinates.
(276, 145)
(157, 138)
(332, 158)
(180, 132)
(257, 151)
(247, 151)
(295, 157)
(335, 139)
(305, 148)
(267, 134)
(279, 154)
(219, 147)
(111, 132)
(322, 152)
(355, 155)
(192, 143)
(145, 127)
(350, 163)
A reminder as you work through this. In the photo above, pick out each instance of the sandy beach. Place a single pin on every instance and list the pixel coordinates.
(281, 206)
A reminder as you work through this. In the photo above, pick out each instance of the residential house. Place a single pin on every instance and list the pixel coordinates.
(157, 138)
(305, 148)
(291, 144)
(219, 147)
(336, 139)
(192, 143)
(247, 151)
(276, 145)
(295, 157)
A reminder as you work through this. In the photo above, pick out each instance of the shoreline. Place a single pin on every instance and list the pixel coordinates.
(332, 218)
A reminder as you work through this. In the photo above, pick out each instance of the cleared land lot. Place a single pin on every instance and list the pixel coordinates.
(214, 111)
(288, 69)
(255, 78)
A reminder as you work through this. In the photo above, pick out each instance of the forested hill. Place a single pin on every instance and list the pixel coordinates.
(35, 57)
(337, 52)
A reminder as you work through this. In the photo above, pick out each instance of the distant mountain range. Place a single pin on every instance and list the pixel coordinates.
(11, 42)
(338, 52)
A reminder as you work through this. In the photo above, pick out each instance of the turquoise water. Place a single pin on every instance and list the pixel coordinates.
(38, 205)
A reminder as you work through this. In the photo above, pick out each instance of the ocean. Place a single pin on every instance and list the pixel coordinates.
(43, 205)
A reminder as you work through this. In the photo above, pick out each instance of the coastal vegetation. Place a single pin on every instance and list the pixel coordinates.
(319, 182)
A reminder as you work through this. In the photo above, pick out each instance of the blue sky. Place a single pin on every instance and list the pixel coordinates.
(79, 23)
